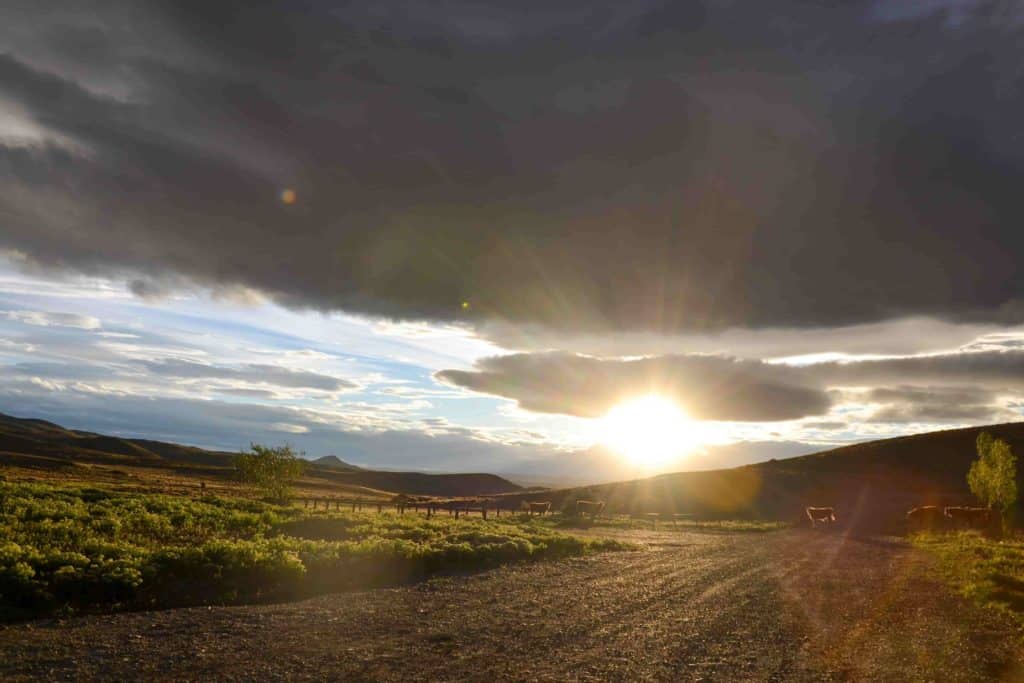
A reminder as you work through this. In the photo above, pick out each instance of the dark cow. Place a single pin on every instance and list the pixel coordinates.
(926, 518)
(589, 507)
(818, 515)
(971, 518)
(538, 508)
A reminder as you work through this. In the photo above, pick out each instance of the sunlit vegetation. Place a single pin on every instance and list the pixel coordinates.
(270, 471)
(65, 549)
(993, 476)
(661, 524)
(987, 571)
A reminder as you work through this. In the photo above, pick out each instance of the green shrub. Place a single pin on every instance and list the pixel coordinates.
(67, 549)
(270, 470)
(993, 476)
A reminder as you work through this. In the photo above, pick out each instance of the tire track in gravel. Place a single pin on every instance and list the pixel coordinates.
(623, 622)
(645, 630)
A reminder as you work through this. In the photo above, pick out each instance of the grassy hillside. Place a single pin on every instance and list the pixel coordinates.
(36, 449)
(870, 484)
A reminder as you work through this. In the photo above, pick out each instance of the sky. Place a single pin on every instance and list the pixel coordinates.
(457, 236)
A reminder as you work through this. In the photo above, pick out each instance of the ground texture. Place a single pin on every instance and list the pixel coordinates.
(786, 606)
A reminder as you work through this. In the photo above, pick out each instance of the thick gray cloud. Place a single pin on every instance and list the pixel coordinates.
(657, 166)
(991, 369)
(709, 388)
(939, 405)
(952, 387)
(898, 337)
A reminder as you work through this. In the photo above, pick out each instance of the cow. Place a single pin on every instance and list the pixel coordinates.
(972, 518)
(925, 518)
(589, 507)
(824, 515)
(541, 508)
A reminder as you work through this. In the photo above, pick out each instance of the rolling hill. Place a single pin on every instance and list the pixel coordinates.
(870, 484)
(335, 462)
(40, 446)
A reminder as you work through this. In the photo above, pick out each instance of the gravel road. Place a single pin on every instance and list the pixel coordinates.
(786, 606)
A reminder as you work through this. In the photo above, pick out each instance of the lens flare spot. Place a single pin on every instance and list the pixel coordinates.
(288, 196)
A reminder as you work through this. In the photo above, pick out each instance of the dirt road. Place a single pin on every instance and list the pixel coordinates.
(785, 606)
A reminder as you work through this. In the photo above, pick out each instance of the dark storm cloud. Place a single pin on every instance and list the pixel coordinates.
(955, 385)
(656, 166)
(991, 369)
(943, 405)
(709, 388)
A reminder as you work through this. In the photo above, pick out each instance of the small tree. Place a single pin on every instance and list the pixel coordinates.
(270, 470)
(993, 476)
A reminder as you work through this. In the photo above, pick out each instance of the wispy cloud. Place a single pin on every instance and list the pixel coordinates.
(53, 319)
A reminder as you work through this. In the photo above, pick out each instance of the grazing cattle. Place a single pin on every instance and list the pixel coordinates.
(539, 508)
(821, 515)
(971, 518)
(925, 518)
(589, 507)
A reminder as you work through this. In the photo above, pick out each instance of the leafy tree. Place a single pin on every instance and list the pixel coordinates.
(270, 470)
(993, 476)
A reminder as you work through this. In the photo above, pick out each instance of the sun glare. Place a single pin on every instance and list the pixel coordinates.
(650, 431)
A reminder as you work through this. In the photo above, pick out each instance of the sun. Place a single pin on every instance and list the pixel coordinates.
(649, 431)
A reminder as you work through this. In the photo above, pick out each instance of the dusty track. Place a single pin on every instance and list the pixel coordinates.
(798, 606)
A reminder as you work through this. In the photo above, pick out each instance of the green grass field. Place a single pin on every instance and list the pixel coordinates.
(64, 549)
(990, 572)
(627, 522)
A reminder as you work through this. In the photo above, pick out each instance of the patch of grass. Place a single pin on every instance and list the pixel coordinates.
(64, 549)
(627, 522)
(990, 572)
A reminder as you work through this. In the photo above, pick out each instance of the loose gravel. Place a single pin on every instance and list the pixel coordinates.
(785, 606)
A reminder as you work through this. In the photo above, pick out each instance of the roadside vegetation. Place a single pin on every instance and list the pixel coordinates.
(64, 549)
(988, 572)
(627, 522)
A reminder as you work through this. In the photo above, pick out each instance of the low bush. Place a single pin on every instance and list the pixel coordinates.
(65, 549)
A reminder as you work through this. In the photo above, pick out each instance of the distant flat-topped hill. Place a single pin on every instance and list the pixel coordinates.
(870, 484)
(45, 448)
(336, 462)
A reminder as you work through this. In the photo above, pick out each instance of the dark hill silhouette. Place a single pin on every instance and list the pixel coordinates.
(870, 484)
(38, 444)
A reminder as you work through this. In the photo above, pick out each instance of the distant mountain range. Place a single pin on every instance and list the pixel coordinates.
(40, 445)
